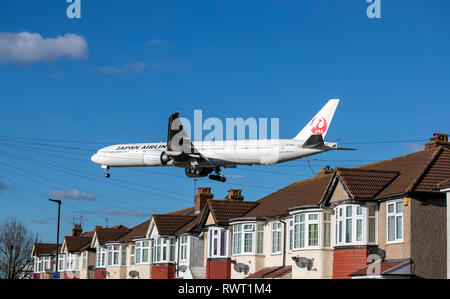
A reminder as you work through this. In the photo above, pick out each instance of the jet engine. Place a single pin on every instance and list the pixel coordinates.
(165, 158)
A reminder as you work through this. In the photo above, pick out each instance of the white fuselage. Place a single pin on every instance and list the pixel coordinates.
(217, 153)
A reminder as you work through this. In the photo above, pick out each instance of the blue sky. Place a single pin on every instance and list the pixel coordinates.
(146, 59)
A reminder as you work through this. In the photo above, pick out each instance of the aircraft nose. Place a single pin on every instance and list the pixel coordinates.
(95, 158)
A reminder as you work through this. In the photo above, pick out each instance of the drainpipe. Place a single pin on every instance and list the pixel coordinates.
(178, 256)
(284, 242)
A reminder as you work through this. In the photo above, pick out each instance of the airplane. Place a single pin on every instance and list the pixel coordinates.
(201, 158)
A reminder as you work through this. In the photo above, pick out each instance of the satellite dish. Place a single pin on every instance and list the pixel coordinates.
(303, 262)
(133, 274)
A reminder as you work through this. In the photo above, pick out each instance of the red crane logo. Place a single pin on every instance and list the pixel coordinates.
(318, 125)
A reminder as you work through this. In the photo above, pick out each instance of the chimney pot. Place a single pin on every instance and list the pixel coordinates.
(77, 230)
(201, 198)
(235, 194)
(438, 139)
(324, 171)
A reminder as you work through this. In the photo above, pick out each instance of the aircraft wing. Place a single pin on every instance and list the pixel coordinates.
(179, 145)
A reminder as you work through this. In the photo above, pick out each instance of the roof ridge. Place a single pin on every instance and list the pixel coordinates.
(390, 159)
(433, 158)
(368, 170)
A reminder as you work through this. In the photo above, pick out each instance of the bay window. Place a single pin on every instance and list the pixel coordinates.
(306, 230)
(355, 224)
(395, 221)
(142, 250)
(117, 255)
(72, 262)
(246, 237)
(218, 241)
(164, 250)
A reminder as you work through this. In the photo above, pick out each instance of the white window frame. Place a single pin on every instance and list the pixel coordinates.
(184, 248)
(396, 215)
(61, 262)
(139, 250)
(240, 232)
(117, 255)
(220, 235)
(341, 218)
(306, 222)
(100, 257)
(259, 238)
(276, 228)
(164, 249)
(132, 255)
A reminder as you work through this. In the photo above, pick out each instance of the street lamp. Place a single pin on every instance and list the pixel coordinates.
(57, 231)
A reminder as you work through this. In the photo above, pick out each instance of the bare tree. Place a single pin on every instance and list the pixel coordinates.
(16, 244)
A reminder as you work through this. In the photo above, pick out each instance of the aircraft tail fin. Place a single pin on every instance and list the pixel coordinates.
(320, 123)
(177, 138)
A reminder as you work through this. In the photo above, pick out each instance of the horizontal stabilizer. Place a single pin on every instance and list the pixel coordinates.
(314, 141)
(344, 149)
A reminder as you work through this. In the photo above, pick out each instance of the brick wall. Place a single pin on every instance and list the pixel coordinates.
(163, 271)
(99, 274)
(348, 260)
(218, 268)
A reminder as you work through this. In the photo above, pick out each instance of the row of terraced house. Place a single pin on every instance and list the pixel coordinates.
(382, 220)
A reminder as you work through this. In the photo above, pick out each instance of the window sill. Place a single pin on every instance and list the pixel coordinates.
(394, 242)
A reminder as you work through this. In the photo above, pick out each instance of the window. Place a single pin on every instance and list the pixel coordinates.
(306, 230)
(355, 224)
(101, 257)
(164, 250)
(142, 252)
(326, 229)
(291, 234)
(84, 261)
(184, 248)
(372, 234)
(244, 238)
(260, 238)
(276, 237)
(61, 262)
(132, 255)
(395, 221)
(237, 239)
(218, 242)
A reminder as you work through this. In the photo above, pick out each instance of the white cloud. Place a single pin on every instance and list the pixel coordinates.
(135, 67)
(72, 194)
(28, 47)
(414, 147)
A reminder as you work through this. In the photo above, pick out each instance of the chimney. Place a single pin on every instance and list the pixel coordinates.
(77, 230)
(235, 194)
(98, 227)
(325, 171)
(201, 198)
(438, 140)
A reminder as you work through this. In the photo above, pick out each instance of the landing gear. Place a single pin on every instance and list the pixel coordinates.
(107, 175)
(194, 172)
(217, 177)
